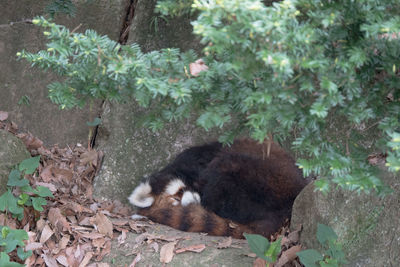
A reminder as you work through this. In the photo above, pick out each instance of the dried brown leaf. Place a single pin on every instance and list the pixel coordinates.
(30, 141)
(259, 262)
(49, 260)
(226, 243)
(34, 246)
(194, 248)
(46, 234)
(30, 261)
(58, 220)
(98, 243)
(121, 222)
(3, 115)
(47, 174)
(92, 235)
(89, 157)
(155, 246)
(103, 224)
(105, 251)
(86, 259)
(62, 259)
(288, 256)
(167, 252)
(70, 254)
(63, 175)
(122, 237)
(64, 242)
(134, 226)
(197, 67)
(136, 260)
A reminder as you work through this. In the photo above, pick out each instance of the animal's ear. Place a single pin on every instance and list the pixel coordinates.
(174, 187)
(141, 196)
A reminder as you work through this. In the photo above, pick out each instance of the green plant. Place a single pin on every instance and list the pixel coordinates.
(264, 249)
(11, 239)
(24, 100)
(325, 72)
(27, 195)
(333, 255)
(61, 6)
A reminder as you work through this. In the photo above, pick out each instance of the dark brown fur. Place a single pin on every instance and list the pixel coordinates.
(243, 188)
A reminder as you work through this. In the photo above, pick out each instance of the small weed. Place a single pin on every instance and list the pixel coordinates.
(332, 256)
(264, 249)
(10, 239)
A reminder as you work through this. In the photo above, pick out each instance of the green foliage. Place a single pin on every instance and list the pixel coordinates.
(324, 71)
(24, 100)
(94, 123)
(11, 239)
(263, 248)
(28, 196)
(333, 255)
(61, 6)
(174, 7)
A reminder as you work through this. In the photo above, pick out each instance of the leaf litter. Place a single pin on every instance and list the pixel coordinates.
(74, 229)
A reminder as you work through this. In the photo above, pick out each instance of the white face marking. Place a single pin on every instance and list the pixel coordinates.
(174, 186)
(190, 197)
(141, 196)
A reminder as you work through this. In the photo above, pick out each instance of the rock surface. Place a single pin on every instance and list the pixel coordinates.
(12, 152)
(152, 32)
(235, 255)
(18, 81)
(367, 226)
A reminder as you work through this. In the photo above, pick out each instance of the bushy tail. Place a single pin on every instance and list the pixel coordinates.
(182, 210)
(192, 218)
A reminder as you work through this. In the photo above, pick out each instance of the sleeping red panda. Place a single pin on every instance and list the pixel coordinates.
(224, 191)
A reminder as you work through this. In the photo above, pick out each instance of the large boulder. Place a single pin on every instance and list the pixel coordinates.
(23, 91)
(367, 225)
(218, 251)
(12, 152)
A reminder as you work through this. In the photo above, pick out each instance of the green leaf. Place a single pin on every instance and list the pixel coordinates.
(15, 238)
(93, 123)
(5, 261)
(325, 233)
(29, 165)
(5, 231)
(309, 257)
(274, 250)
(322, 185)
(23, 198)
(259, 245)
(38, 202)
(43, 191)
(8, 201)
(14, 179)
(22, 254)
